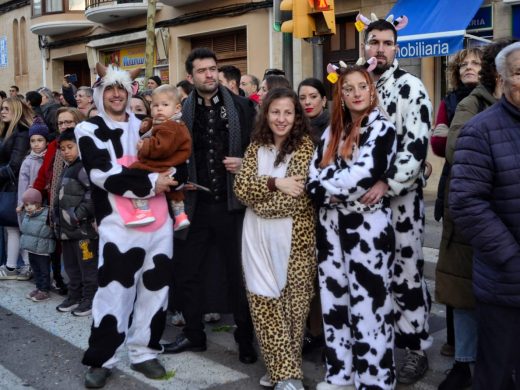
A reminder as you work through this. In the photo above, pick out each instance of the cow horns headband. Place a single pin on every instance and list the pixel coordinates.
(362, 22)
(334, 71)
(113, 75)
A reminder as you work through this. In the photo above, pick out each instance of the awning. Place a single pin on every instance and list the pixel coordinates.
(435, 27)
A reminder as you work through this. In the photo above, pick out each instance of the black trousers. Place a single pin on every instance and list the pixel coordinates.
(41, 269)
(211, 223)
(80, 258)
(498, 349)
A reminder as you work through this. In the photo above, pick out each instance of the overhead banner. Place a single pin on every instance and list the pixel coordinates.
(435, 27)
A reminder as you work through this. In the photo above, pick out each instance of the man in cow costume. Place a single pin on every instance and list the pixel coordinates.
(406, 102)
(134, 263)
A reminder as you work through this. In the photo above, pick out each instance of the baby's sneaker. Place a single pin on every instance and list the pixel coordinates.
(140, 218)
(181, 222)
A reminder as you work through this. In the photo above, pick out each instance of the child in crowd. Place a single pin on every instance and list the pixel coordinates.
(38, 134)
(167, 145)
(38, 240)
(73, 211)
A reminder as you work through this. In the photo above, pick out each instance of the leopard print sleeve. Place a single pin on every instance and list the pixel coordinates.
(281, 205)
(250, 188)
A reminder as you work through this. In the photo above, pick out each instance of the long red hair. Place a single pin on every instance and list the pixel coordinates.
(341, 124)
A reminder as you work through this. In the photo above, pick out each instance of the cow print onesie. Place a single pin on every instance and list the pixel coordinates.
(355, 256)
(134, 263)
(406, 101)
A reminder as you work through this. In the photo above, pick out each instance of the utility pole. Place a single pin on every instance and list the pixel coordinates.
(150, 38)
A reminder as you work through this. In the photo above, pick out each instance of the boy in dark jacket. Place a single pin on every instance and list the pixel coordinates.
(75, 227)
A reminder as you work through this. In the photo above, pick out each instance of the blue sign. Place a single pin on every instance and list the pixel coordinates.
(3, 52)
(483, 19)
(434, 47)
(516, 21)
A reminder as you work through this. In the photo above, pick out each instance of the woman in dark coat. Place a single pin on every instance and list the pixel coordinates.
(453, 280)
(15, 119)
(464, 71)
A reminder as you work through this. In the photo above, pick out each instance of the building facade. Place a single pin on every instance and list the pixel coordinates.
(42, 40)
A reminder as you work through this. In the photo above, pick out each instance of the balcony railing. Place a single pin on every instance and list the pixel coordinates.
(100, 3)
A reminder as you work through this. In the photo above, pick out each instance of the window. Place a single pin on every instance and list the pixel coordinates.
(52, 6)
(43, 7)
(76, 5)
(36, 7)
(230, 47)
(344, 45)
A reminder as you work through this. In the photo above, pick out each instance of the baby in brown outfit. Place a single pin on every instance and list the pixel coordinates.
(167, 145)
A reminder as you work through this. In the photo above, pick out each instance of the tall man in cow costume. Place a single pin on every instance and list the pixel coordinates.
(406, 102)
(134, 263)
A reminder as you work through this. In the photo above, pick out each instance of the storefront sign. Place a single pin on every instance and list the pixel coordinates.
(430, 47)
(132, 57)
(3, 52)
(483, 19)
(128, 58)
(516, 21)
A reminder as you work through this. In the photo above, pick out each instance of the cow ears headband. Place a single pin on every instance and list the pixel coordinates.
(334, 71)
(362, 22)
(113, 75)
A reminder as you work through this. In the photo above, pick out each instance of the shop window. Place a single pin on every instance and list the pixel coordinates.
(230, 47)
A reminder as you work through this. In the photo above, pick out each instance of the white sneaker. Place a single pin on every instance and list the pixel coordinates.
(329, 386)
(289, 384)
(25, 273)
(7, 274)
(266, 380)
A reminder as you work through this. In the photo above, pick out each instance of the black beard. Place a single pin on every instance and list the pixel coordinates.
(380, 69)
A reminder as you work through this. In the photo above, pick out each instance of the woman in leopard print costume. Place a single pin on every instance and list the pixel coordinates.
(278, 240)
(355, 242)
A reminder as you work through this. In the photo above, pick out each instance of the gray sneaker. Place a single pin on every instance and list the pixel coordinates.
(290, 384)
(84, 308)
(413, 368)
(7, 274)
(67, 305)
(25, 273)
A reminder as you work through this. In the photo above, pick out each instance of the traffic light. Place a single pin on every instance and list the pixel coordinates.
(324, 17)
(302, 24)
(309, 18)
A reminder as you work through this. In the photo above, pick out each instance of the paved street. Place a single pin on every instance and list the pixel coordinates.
(42, 349)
